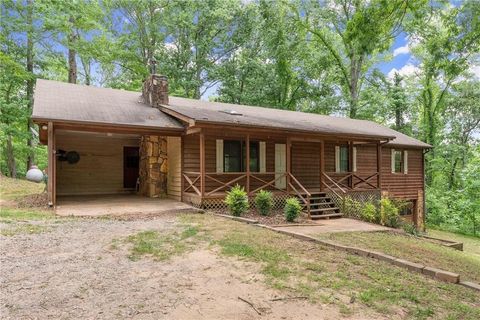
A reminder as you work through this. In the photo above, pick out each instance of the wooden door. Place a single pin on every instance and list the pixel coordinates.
(280, 165)
(131, 161)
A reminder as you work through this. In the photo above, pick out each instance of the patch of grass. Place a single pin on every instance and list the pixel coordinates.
(160, 245)
(471, 244)
(10, 214)
(329, 276)
(414, 249)
(26, 228)
(11, 189)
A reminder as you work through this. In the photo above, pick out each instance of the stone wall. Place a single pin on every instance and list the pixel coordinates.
(153, 166)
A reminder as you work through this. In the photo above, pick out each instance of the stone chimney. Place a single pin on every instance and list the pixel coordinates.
(155, 90)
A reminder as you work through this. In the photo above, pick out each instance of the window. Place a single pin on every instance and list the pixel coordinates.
(344, 159)
(407, 209)
(234, 156)
(398, 156)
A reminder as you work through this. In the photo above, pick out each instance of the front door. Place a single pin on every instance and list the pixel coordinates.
(131, 161)
(280, 165)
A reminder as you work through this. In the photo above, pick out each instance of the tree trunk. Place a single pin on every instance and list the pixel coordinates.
(30, 83)
(72, 62)
(12, 167)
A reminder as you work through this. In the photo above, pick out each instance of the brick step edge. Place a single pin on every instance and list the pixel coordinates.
(437, 274)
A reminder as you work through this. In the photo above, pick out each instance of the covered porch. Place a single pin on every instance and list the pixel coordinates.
(319, 170)
(115, 205)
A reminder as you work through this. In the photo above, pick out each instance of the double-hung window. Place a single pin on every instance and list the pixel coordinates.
(235, 154)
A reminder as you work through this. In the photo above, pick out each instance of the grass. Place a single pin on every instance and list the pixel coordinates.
(414, 249)
(11, 189)
(471, 244)
(26, 228)
(10, 214)
(328, 276)
(160, 245)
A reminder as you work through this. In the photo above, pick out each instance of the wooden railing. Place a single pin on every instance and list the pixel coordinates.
(304, 195)
(350, 180)
(267, 183)
(223, 186)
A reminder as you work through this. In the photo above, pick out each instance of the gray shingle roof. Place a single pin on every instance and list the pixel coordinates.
(60, 101)
(215, 112)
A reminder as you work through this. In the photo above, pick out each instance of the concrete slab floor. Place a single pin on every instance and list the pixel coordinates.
(101, 205)
(335, 225)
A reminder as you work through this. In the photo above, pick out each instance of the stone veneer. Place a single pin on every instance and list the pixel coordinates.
(153, 166)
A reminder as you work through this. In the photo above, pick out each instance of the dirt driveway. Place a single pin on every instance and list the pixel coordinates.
(71, 271)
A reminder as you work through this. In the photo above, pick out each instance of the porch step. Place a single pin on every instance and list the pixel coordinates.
(326, 216)
(323, 209)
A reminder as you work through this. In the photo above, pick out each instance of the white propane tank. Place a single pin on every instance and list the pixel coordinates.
(34, 174)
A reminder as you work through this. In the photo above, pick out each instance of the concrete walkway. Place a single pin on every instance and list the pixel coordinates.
(334, 225)
(102, 205)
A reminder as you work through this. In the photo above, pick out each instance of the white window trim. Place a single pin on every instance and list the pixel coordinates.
(337, 159)
(392, 161)
(354, 159)
(405, 162)
(262, 155)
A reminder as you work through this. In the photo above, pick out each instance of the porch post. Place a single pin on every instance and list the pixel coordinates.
(202, 165)
(379, 166)
(350, 163)
(182, 167)
(51, 166)
(247, 146)
(322, 163)
(289, 161)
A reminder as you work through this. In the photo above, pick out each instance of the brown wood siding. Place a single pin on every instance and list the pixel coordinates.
(399, 184)
(306, 163)
(174, 190)
(191, 153)
(100, 169)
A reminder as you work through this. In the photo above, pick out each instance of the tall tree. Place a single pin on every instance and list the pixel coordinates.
(355, 33)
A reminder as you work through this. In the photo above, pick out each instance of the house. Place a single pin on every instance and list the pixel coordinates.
(108, 141)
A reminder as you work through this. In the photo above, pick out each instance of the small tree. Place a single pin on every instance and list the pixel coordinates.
(292, 209)
(237, 201)
(264, 202)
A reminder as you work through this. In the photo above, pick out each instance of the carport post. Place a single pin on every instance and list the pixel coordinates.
(51, 185)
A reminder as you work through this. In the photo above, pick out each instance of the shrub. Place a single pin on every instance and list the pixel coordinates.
(410, 228)
(292, 209)
(389, 215)
(352, 207)
(369, 212)
(264, 202)
(237, 201)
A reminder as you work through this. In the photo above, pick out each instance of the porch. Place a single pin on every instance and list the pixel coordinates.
(319, 171)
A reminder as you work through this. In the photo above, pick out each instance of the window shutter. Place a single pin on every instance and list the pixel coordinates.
(354, 159)
(393, 160)
(219, 155)
(337, 158)
(405, 162)
(262, 155)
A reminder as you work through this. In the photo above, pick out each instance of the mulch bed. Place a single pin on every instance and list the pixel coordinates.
(276, 217)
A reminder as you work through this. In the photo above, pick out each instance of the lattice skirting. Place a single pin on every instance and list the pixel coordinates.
(354, 201)
(219, 203)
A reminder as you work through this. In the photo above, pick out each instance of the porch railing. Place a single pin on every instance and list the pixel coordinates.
(351, 180)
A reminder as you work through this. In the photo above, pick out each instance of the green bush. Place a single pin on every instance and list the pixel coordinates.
(389, 214)
(264, 202)
(292, 209)
(352, 207)
(410, 228)
(237, 201)
(369, 213)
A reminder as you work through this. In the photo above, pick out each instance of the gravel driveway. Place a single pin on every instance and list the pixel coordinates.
(71, 271)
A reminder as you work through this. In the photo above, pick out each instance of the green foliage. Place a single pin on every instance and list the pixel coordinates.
(369, 213)
(410, 228)
(264, 202)
(389, 213)
(352, 207)
(237, 200)
(292, 209)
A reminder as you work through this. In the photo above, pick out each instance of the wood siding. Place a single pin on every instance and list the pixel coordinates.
(399, 184)
(174, 189)
(100, 169)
